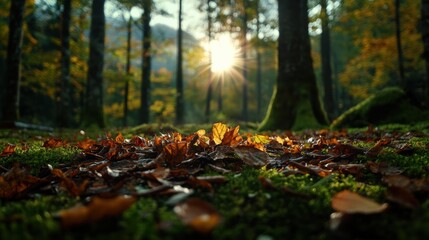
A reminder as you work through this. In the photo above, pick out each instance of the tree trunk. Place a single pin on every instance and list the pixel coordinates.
(10, 101)
(127, 70)
(94, 87)
(425, 38)
(146, 61)
(179, 72)
(295, 103)
(64, 96)
(325, 44)
(258, 67)
(210, 77)
(244, 70)
(402, 82)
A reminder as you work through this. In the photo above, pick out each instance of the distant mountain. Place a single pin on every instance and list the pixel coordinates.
(164, 42)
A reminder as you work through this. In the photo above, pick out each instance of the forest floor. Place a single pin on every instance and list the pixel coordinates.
(219, 182)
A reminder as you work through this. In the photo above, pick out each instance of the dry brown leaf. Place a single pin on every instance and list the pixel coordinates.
(252, 156)
(8, 150)
(54, 143)
(120, 138)
(86, 144)
(231, 137)
(198, 214)
(69, 184)
(349, 202)
(97, 209)
(175, 153)
(402, 196)
(15, 182)
(218, 131)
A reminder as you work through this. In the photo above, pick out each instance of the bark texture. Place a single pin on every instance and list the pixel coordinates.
(94, 89)
(10, 101)
(180, 103)
(64, 107)
(325, 44)
(146, 62)
(295, 102)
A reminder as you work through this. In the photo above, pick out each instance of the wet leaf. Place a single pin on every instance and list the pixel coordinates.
(69, 184)
(218, 131)
(350, 202)
(198, 214)
(252, 156)
(97, 209)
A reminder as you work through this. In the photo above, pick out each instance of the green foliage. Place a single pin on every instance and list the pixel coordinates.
(387, 106)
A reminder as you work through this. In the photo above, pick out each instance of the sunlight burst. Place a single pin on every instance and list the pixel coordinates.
(223, 54)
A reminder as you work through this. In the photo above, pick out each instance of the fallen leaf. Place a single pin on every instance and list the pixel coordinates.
(8, 150)
(350, 202)
(376, 149)
(120, 138)
(218, 131)
(86, 144)
(198, 214)
(252, 156)
(396, 180)
(231, 137)
(15, 182)
(69, 184)
(54, 143)
(97, 209)
(175, 153)
(402, 196)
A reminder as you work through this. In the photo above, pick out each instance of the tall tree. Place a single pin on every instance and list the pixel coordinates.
(93, 114)
(210, 77)
(180, 108)
(245, 18)
(325, 44)
(425, 38)
(295, 102)
(146, 61)
(10, 101)
(127, 68)
(64, 95)
(399, 44)
(258, 64)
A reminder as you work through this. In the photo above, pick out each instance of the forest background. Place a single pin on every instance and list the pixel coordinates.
(364, 58)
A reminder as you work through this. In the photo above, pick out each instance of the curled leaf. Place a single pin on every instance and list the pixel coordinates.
(218, 131)
(97, 209)
(198, 214)
(350, 202)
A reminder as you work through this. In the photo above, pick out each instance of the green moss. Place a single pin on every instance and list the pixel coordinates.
(37, 156)
(388, 106)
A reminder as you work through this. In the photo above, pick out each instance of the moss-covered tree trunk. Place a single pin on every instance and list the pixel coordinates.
(10, 100)
(146, 62)
(295, 103)
(93, 114)
(425, 38)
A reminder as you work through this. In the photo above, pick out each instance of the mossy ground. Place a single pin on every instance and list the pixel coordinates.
(249, 210)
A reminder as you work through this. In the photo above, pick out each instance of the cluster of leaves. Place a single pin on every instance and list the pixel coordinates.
(111, 173)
